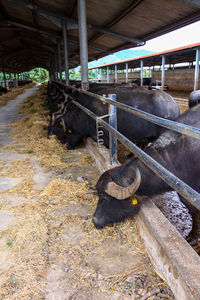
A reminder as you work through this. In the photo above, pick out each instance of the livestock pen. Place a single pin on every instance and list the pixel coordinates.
(52, 250)
(192, 196)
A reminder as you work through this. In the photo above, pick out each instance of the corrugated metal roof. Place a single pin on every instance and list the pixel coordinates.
(29, 28)
(183, 52)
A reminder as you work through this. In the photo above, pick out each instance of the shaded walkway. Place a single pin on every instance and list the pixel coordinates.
(49, 248)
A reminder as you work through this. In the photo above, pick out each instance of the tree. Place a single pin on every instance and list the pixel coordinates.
(39, 75)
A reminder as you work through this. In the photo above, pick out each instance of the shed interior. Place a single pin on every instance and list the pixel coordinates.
(31, 29)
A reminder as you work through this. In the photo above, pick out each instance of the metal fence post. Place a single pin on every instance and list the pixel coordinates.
(59, 61)
(141, 73)
(115, 73)
(100, 74)
(4, 77)
(97, 71)
(126, 72)
(112, 110)
(163, 73)
(108, 75)
(196, 75)
(64, 25)
(82, 21)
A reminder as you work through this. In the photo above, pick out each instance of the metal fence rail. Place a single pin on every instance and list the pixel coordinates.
(181, 187)
(172, 125)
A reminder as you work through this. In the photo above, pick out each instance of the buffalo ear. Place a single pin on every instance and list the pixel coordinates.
(121, 193)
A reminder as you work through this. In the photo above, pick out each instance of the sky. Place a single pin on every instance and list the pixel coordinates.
(185, 36)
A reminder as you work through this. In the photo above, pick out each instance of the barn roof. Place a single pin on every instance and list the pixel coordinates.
(29, 29)
(173, 56)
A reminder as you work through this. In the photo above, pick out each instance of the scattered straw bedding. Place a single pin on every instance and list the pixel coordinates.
(30, 132)
(4, 98)
(35, 244)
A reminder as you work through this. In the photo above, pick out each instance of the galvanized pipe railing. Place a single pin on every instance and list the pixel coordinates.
(172, 125)
(181, 187)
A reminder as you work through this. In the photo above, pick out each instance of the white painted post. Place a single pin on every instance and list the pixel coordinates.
(59, 61)
(126, 72)
(4, 77)
(163, 73)
(97, 75)
(115, 73)
(141, 73)
(82, 20)
(113, 123)
(108, 75)
(196, 75)
(65, 51)
(101, 74)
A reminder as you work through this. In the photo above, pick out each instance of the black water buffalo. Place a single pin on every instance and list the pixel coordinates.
(194, 98)
(55, 98)
(177, 153)
(146, 81)
(78, 125)
(3, 90)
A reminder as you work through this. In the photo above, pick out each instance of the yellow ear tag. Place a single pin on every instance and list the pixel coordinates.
(61, 123)
(69, 130)
(134, 201)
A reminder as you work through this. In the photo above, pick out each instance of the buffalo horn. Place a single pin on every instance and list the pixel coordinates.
(121, 193)
(66, 99)
(53, 120)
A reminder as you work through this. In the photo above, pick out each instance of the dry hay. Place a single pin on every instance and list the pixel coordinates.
(18, 168)
(31, 134)
(11, 95)
(27, 242)
(36, 244)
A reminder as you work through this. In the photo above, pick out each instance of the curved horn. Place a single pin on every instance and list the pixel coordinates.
(53, 120)
(66, 99)
(120, 192)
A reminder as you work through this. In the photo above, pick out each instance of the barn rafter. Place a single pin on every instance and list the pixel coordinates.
(111, 26)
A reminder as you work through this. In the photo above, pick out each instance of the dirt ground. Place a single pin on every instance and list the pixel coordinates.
(49, 248)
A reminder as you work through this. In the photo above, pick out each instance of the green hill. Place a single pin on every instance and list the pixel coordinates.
(121, 55)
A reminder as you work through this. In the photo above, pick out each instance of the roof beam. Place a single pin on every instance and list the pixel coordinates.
(3, 12)
(117, 19)
(51, 49)
(32, 28)
(73, 7)
(192, 2)
(34, 14)
(194, 17)
(19, 51)
(50, 34)
(72, 20)
(8, 55)
(58, 21)
(116, 34)
(8, 39)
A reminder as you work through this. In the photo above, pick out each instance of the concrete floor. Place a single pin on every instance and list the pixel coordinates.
(82, 263)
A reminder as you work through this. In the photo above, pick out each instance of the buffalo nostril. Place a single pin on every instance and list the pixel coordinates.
(69, 147)
(95, 220)
(96, 224)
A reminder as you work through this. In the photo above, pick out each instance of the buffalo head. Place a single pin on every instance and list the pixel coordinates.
(115, 202)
